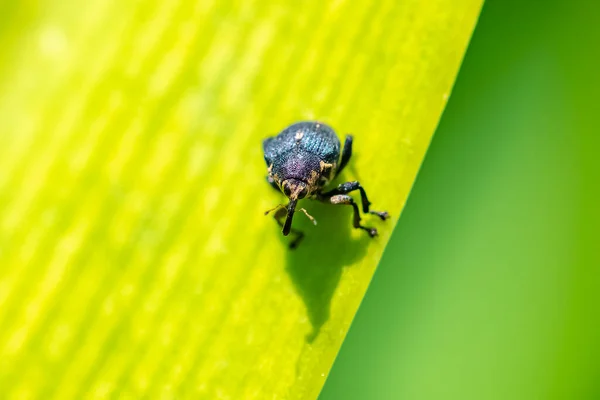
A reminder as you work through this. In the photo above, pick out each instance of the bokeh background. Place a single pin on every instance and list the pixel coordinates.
(488, 290)
(489, 286)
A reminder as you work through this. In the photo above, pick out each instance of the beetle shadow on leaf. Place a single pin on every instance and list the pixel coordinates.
(315, 267)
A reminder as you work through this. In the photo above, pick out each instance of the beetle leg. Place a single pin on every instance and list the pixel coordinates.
(345, 199)
(346, 154)
(280, 216)
(348, 187)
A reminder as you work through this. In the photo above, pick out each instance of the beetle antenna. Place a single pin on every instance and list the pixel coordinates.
(312, 219)
(277, 207)
(290, 214)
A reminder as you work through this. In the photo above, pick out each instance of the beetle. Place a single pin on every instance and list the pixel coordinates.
(301, 160)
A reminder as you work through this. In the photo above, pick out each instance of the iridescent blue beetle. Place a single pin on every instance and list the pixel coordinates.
(301, 161)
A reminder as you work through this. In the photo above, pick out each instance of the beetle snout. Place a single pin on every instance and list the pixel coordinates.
(294, 189)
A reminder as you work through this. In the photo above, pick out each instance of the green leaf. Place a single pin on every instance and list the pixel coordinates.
(136, 257)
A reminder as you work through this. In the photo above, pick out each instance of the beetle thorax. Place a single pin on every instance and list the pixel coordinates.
(302, 172)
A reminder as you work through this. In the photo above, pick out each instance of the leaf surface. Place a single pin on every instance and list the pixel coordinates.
(136, 257)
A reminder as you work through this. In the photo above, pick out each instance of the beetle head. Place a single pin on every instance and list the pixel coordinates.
(295, 190)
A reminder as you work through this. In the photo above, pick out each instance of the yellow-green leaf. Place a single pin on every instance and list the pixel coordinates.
(135, 256)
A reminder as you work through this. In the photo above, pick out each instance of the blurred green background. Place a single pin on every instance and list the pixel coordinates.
(489, 286)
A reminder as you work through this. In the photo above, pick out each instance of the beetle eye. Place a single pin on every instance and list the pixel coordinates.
(303, 193)
(286, 189)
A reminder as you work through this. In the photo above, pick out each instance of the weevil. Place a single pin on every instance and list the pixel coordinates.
(301, 161)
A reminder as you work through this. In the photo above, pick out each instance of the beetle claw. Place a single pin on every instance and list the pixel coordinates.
(381, 214)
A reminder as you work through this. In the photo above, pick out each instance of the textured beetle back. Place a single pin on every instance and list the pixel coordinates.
(308, 151)
(314, 137)
(318, 139)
